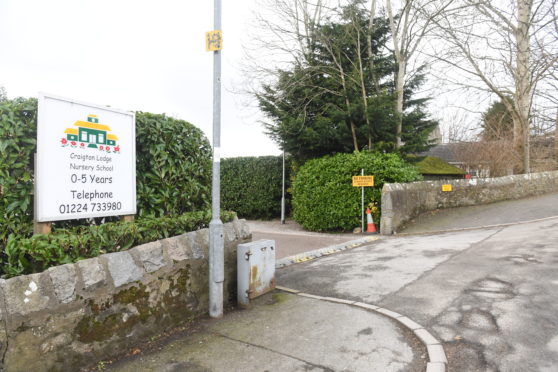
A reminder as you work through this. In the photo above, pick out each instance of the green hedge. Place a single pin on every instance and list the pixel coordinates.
(18, 133)
(173, 167)
(324, 198)
(251, 186)
(39, 252)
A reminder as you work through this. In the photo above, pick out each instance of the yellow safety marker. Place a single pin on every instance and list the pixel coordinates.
(213, 41)
(447, 188)
(363, 181)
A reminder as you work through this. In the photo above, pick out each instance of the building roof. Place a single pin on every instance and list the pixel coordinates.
(71, 131)
(434, 166)
(447, 152)
(85, 124)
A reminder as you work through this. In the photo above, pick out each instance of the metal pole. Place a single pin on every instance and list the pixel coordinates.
(362, 205)
(283, 192)
(216, 241)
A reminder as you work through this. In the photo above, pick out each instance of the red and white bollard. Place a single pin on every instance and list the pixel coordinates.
(370, 227)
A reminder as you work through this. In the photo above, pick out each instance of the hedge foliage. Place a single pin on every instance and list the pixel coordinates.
(39, 252)
(252, 186)
(324, 198)
(18, 133)
(173, 167)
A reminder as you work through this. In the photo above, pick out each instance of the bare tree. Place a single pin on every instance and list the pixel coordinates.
(556, 137)
(410, 24)
(506, 47)
(547, 110)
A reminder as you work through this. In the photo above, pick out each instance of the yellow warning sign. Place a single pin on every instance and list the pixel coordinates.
(213, 41)
(363, 181)
(447, 188)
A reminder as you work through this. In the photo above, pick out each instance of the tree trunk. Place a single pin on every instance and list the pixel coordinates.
(399, 86)
(348, 105)
(363, 93)
(371, 29)
(399, 36)
(523, 81)
(556, 138)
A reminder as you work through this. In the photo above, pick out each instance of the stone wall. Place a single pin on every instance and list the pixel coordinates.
(76, 314)
(402, 202)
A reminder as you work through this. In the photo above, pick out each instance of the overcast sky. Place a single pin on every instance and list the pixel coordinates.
(133, 55)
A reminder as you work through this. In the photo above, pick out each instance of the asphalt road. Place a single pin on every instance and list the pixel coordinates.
(504, 212)
(489, 294)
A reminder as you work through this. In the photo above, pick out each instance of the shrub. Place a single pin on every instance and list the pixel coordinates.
(173, 167)
(323, 195)
(39, 252)
(18, 133)
(251, 186)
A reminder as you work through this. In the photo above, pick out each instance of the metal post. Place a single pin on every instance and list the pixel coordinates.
(362, 205)
(216, 241)
(283, 192)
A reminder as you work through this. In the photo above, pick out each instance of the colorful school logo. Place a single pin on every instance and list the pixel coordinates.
(91, 134)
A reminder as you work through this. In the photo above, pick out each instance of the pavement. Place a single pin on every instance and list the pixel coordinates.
(476, 300)
(288, 332)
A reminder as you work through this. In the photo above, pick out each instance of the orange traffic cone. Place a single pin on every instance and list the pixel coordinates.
(370, 227)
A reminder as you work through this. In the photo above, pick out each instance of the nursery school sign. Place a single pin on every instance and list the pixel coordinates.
(86, 161)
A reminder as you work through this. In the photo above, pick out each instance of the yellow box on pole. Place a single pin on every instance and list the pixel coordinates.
(447, 188)
(213, 41)
(363, 181)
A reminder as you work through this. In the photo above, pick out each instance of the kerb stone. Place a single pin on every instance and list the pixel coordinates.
(122, 268)
(426, 337)
(436, 354)
(436, 367)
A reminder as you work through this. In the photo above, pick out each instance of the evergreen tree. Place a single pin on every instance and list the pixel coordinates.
(340, 98)
(497, 122)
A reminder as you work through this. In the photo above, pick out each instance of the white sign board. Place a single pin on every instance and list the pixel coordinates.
(86, 161)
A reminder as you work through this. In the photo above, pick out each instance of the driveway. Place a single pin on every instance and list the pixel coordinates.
(490, 294)
(291, 239)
